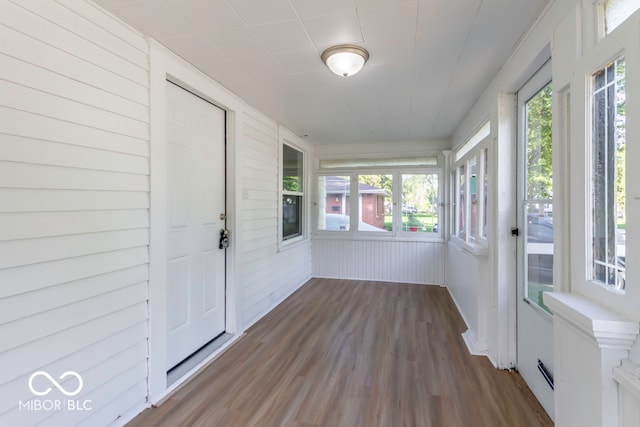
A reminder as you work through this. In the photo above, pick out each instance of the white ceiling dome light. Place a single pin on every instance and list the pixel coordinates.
(345, 60)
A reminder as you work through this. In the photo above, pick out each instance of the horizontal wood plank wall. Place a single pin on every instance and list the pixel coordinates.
(74, 182)
(392, 261)
(267, 275)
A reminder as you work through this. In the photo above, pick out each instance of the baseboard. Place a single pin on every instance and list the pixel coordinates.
(475, 348)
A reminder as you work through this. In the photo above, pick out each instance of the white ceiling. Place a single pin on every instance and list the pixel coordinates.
(429, 61)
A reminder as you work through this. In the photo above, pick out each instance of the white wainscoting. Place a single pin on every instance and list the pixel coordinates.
(380, 260)
(468, 283)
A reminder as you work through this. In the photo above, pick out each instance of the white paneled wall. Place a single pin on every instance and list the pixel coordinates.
(73, 209)
(469, 284)
(627, 375)
(392, 261)
(267, 275)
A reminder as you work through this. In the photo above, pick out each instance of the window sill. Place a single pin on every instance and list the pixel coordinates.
(293, 243)
(605, 326)
(474, 249)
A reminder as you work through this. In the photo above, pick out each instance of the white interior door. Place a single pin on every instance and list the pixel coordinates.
(196, 198)
(535, 241)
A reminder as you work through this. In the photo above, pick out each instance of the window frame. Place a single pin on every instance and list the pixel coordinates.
(590, 222)
(396, 233)
(481, 152)
(282, 242)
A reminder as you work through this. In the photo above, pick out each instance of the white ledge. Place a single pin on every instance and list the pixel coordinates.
(608, 328)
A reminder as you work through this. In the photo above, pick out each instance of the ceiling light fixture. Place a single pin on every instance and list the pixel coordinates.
(345, 60)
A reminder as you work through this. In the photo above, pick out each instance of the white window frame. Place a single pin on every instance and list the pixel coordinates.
(590, 202)
(480, 142)
(304, 194)
(396, 232)
(594, 54)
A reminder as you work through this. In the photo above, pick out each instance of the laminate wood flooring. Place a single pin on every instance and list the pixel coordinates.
(353, 353)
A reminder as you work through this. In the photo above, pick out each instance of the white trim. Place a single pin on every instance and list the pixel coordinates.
(285, 136)
(478, 137)
(476, 348)
(175, 387)
(608, 328)
(164, 66)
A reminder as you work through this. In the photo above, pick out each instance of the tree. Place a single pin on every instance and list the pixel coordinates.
(539, 146)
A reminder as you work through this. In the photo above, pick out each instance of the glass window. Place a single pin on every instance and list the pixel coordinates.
(292, 192)
(485, 180)
(462, 220)
(538, 194)
(334, 203)
(539, 171)
(291, 169)
(420, 202)
(473, 201)
(454, 212)
(375, 208)
(470, 180)
(608, 171)
(616, 11)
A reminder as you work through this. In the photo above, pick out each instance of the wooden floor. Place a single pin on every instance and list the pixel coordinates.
(353, 353)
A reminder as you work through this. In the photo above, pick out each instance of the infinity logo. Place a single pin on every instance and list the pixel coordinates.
(55, 383)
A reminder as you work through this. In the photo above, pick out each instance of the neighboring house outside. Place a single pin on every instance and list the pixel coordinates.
(372, 200)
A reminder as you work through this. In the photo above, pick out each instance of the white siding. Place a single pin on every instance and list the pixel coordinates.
(266, 275)
(392, 261)
(74, 181)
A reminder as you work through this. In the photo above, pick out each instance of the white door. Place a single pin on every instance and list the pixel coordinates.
(535, 237)
(196, 199)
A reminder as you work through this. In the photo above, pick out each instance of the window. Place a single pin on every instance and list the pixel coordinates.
(537, 194)
(420, 204)
(485, 179)
(616, 11)
(292, 192)
(395, 203)
(462, 206)
(470, 187)
(473, 198)
(608, 171)
(375, 210)
(334, 194)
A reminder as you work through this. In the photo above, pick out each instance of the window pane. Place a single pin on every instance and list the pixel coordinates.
(462, 181)
(538, 122)
(375, 202)
(292, 169)
(616, 11)
(485, 155)
(473, 193)
(420, 203)
(453, 188)
(333, 203)
(291, 217)
(608, 171)
(539, 252)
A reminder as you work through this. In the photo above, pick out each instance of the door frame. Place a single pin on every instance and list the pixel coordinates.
(164, 65)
